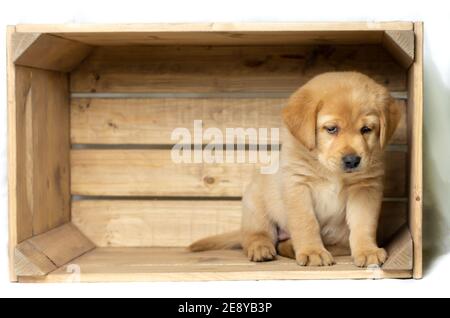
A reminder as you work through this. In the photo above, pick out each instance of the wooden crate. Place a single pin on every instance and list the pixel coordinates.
(92, 188)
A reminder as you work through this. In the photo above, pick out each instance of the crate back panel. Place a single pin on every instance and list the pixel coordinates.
(127, 100)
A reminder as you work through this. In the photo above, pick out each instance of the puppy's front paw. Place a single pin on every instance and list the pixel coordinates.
(317, 256)
(376, 256)
(261, 251)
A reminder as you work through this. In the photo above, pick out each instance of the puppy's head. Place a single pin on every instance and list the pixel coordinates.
(346, 118)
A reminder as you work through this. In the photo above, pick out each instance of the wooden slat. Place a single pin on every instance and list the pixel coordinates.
(401, 45)
(153, 223)
(415, 120)
(20, 42)
(227, 68)
(400, 251)
(175, 264)
(152, 121)
(152, 172)
(14, 199)
(52, 53)
(28, 261)
(42, 150)
(147, 172)
(23, 189)
(226, 38)
(147, 223)
(63, 244)
(68, 28)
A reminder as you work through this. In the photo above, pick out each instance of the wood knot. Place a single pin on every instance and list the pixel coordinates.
(112, 125)
(418, 198)
(209, 180)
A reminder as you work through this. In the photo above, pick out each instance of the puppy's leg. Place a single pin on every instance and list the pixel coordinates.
(286, 249)
(258, 231)
(304, 227)
(363, 209)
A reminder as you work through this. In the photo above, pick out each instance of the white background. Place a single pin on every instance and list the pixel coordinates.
(435, 14)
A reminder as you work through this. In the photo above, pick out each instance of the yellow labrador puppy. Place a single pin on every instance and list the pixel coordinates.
(327, 193)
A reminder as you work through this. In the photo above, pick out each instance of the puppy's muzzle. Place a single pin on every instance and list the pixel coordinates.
(350, 162)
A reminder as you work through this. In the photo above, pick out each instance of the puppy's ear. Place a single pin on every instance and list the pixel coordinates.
(300, 117)
(389, 118)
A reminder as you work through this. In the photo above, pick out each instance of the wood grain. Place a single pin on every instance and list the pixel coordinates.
(415, 123)
(152, 121)
(20, 42)
(22, 142)
(175, 264)
(150, 223)
(145, 223)
(46, 153)
(52, 53)
(14, 198)
(227, 68)
(151, 172)
(401, 45)
(62, 244)
(217, 27)
(400, 251)
(29, 261)
(226, 38)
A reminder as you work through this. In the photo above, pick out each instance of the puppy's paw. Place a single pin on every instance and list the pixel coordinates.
(260, 251)
(318, 256)
(375, 256)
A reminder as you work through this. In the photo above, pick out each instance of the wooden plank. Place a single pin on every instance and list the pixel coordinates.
(226, 38)
(400, 251)
(63, 244)
(147, 223)
(415, 120)
(53, 53)
(21, 42)
(23, 189)
(216, 27)
(197, 69)
(152, 121)
(401, 45)
(19, 213)
(28, 261)
(175, 264)
(44, 149)
(134, 223)
(149, 172)
(13, 167)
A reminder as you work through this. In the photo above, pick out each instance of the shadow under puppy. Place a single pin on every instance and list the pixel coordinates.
(326, 195)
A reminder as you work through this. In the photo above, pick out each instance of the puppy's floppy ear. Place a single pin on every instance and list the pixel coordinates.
(300, 117)
(389, 118)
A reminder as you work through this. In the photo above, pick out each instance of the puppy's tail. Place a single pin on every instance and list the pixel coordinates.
(230, 240)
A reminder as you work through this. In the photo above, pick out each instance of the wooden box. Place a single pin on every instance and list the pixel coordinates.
(93, 193)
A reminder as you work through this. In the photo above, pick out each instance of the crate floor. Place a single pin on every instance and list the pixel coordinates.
(120, 264)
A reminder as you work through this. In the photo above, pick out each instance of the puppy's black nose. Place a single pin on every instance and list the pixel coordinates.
(351, 161)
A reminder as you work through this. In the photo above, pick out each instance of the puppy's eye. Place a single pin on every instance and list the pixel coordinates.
(365, 130)
(332, 130)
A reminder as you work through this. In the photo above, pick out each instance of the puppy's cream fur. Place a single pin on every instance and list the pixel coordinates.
(322, 206)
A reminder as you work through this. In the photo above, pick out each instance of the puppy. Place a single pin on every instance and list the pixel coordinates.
(326, 195)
